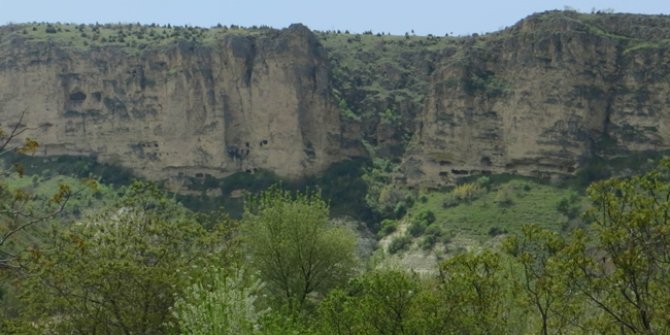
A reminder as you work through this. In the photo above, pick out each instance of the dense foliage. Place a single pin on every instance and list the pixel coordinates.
(295, 249)
(135, 261)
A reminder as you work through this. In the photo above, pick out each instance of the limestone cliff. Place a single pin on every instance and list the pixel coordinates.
(239, 102)
(545, 96)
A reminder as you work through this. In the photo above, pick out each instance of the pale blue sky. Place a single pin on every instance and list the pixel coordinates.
(397, 17)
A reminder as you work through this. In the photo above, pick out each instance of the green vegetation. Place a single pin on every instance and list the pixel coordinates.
(476, 212)
(117, 272)
(220, 303)
(77, 167)
(340, 185)
(380, 81)
(294, 248)
(85, 250)
(145, 264)
(130, 38)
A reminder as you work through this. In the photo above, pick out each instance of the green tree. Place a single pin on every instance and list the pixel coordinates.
(22, 216)
(545, 281)
(118, 272)
(384, 196)
(18, 209)
(476, 294)
(221, 303)
(379, 302)
(293, 246)
(623, 267)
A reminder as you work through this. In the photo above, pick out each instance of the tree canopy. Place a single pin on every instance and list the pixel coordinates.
(294, 247)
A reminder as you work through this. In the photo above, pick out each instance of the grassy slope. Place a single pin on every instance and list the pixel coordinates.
(532, 202)
(382, 79)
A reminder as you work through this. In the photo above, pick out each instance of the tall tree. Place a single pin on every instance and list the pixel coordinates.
(18, 210)
(624, 270)
(545, 282)
(476, 293)
(378, 302)
(294, 247)
(119, 272)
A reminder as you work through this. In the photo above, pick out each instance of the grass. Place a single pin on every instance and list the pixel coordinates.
(130, 38)
(530, 202)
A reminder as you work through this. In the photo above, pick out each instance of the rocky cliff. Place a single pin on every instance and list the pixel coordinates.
(183, 108)
(544, 96)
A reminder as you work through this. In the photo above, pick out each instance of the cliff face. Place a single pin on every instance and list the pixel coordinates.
(545, 96)
(241, 103)
(542, 97)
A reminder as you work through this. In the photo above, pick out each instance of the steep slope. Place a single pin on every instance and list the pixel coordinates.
(545, 96)
(232, 101)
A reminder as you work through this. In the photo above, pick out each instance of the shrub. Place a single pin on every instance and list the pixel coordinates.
(426, 216)
(417, 228)
(495, 231)
(401, 243)
(220, 304)
(432, 235)
(467, 192)
(569, 206)
(400, 210)
(286, 234)
(484, 181)
(388, 227)
(504, 196)
(409, 200)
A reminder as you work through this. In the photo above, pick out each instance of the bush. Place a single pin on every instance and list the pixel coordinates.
(484, 181)
(221, 304)
(569, 206)
(401, 243)
(286, 234)
(409, 200)
(495, 231)
(416, 228)
(388, 227)
(467, 192)
(504, 196)
(132, 259)
(426, 216)
(400, 210)
(432, 235)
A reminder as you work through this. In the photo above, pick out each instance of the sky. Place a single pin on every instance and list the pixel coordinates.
(396, 17)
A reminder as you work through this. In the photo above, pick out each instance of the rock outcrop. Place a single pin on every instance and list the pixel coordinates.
(545, 96)
(239, 103)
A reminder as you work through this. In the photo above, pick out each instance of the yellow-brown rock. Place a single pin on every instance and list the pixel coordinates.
(240, 103)
(544, 97)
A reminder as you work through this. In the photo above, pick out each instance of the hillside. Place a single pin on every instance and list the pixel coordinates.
(546, 96)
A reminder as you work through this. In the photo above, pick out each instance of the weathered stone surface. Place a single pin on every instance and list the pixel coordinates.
(246, 102)
(541, 97)
(544, 96)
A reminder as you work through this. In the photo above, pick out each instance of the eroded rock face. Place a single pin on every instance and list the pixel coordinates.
(246, 102)
(542, 97)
